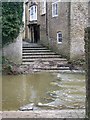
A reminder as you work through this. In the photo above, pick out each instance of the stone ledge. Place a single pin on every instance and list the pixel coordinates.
(45, 114)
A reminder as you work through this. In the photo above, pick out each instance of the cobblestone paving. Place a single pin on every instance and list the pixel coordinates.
(45, 114)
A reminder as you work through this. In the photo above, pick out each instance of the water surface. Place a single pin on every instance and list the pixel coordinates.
(51, 91)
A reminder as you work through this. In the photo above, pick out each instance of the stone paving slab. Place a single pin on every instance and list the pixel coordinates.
(45, 114)
(0, 115)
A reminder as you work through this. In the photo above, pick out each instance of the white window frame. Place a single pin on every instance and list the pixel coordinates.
(33, 13)
(59, 37)
(43, 7)
(55, 9)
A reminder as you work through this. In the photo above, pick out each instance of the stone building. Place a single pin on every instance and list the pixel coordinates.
(57, 25)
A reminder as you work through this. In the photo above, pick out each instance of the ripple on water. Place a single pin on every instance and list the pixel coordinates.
(66, 91)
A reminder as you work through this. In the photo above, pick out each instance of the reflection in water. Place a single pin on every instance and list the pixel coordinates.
(47, 90)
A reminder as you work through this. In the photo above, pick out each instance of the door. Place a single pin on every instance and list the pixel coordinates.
(36, 33)
(32, 35)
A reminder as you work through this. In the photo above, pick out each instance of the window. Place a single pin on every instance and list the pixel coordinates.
(59, 37)
(55, 9)
(33, 13)
(43, 7)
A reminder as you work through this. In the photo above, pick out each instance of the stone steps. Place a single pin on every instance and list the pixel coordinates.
(42, 58)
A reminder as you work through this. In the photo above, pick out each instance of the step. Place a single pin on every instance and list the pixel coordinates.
(45, 62)
(44, 59)
(53, 68)
(31, 45)
(29, 51)
(25, 48)
(57, 71)
(41, 53)
(41, 56)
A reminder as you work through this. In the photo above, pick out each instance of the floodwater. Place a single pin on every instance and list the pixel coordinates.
(45, 90)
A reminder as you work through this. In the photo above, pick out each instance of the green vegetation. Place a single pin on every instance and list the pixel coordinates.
(11, 21)
(6, 66)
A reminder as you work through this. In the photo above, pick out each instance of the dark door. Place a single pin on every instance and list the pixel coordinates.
(36, 33)
(32, 35)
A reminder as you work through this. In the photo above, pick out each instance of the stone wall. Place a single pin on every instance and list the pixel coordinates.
(79, 15)
(13, 51)
(42, 23)
(60, 23)
(71, 21)
(51, 25)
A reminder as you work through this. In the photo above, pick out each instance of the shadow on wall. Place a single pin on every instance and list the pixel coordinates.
(13, 51)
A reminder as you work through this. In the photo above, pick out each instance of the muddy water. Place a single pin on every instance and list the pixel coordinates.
(45, 90)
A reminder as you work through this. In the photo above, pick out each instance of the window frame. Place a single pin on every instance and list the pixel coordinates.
(43, 7)
(59, 37)
(33, 12)
(54, 9)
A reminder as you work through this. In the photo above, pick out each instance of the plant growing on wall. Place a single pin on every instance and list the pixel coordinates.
(11, 21)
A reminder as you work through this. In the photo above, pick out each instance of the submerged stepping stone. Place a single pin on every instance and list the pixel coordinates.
(29, 107)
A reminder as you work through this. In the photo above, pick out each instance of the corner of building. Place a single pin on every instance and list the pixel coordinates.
(79, 15)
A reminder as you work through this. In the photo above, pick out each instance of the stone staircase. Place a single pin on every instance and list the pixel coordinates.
(42, 58)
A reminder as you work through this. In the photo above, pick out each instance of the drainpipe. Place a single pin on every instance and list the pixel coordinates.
(69, 27)
(46, 20)
(47, 23)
